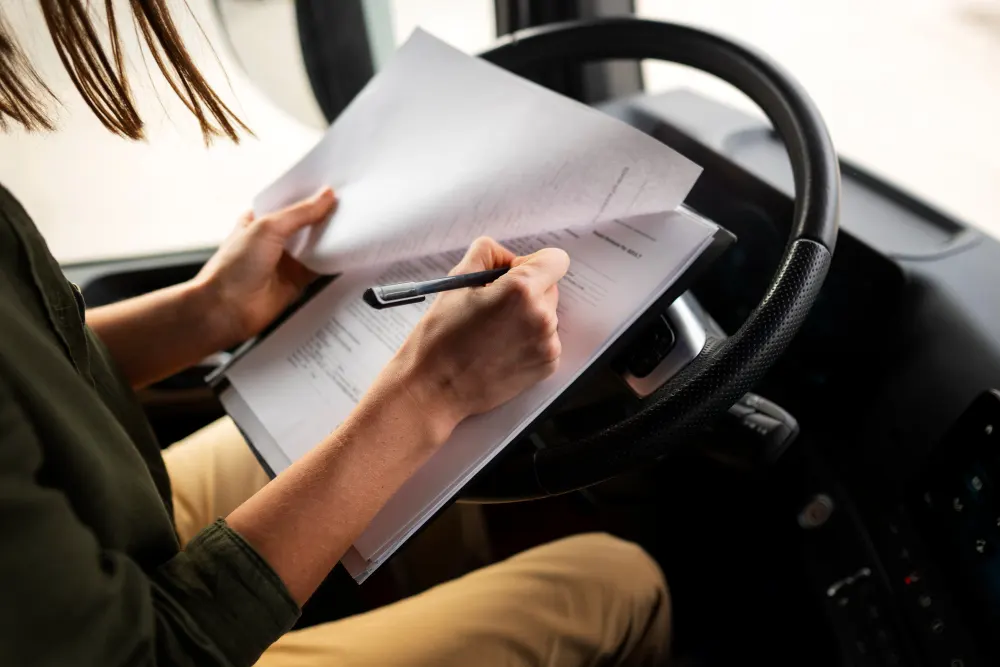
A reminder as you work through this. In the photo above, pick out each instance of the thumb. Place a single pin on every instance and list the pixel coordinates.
(484, 254)
(545, 267)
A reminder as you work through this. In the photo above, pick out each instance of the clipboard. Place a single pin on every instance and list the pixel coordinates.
(266, 449)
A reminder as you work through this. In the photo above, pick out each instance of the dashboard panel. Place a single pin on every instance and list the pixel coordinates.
(903, 339)
(957, 503)
(911, 291)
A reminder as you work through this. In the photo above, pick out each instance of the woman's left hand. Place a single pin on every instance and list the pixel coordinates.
(251, 279)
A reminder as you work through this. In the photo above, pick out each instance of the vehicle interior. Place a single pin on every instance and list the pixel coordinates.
(804, 432)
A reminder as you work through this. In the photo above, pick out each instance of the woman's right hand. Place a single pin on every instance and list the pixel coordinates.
(474, 349)
(477, 348)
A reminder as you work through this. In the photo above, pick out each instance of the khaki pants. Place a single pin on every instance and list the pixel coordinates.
(586, 600)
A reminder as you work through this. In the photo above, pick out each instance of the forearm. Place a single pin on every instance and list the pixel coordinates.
(157, 334)
(304, 521)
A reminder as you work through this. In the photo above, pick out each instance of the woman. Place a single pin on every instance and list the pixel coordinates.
(114, 554)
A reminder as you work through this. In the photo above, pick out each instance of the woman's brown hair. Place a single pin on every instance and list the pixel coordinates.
(100, 77)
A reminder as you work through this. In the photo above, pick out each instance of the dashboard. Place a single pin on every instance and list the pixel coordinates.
(957, 503)
(890, 379)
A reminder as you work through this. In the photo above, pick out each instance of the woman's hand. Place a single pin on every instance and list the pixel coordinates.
(473, 350)
(244, 286)
(477, 348)
(251, 279)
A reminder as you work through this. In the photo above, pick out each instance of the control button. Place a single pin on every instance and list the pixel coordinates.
(740, 410)
(956, 504)
(762, 405)
(761, 424)
(924, 601)
(976, 482)
(982, 547)
(831, 591)
(937, 626)
(911, 578)
(817, 512)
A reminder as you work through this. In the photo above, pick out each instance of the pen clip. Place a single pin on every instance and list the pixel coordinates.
(371, 298)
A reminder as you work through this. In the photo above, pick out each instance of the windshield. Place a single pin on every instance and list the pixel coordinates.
(909, 89)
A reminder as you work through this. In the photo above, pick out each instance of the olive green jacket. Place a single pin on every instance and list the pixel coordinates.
(91, 572)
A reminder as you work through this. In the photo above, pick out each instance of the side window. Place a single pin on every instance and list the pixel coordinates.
(278, 71)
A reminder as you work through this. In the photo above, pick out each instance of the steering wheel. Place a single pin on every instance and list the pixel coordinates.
(725, 369)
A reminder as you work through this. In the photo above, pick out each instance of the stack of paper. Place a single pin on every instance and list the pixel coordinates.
(441, 148)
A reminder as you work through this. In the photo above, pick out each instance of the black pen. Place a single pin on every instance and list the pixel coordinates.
(387, 296)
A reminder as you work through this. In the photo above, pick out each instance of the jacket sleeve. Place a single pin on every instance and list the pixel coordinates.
(67, 601)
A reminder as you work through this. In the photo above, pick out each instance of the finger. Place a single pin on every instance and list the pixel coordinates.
(245, 219)
(551, 298)
(545, 369)
(542, 269)
(301, 214)
(551, 349)
(484, 254)
(548, 310)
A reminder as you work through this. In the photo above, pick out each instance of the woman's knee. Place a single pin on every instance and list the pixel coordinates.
(618, 568)
(608, 556)
(619, 581)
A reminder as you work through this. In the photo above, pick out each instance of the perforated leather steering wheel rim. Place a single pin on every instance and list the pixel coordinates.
(725, 370)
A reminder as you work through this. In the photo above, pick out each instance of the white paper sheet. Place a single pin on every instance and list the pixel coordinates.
(305, 378)
(441, 147)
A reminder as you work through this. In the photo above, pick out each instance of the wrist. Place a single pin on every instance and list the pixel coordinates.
(426, 395)
(208, 311)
